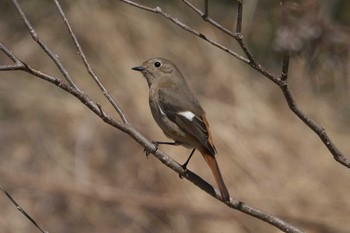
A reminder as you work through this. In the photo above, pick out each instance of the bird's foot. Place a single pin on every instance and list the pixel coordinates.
(184, 167)
(148, 152)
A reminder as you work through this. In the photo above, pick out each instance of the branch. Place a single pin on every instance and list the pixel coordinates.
(237, 35)
(206, 9)
(158, 10)
(239, 16)
(319, 130)
(285, 66)
(87, 65)
(37, 39)
(18, 64)
(20, 209)
(282, 84)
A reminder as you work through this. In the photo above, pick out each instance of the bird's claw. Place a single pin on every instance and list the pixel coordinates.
(148, 152)
(184, 167)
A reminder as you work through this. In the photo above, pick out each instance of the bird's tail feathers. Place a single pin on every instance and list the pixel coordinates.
(210, 159)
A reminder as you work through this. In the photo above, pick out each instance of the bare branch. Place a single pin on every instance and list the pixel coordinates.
(239, 16)
(210, 20)
(20, 209)
(206, 9)
(286, 54)
(237, 36)
(37, 39)
(18, 66)
(101, 111)
(266, 217)
(285, 66)
(235, 204)
(158, 10)
(113, 194)
(87, 65)
(319, 130)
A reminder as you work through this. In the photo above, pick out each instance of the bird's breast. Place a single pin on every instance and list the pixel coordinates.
(170, 128)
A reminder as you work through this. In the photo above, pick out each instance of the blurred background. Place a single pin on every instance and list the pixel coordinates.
(73, 173)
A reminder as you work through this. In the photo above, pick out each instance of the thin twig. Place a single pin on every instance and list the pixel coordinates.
(37, 39)
(18, 64)
(206, 9)
(101, 111)
(253, 63)
(20, 209)
(266, 217)
(286, 53)
(210, 20)
(319, 130)
(87, 65)
(10, 54)
(237, 35)
(285, 66)
(314, 126)
(239, 16)
(158, 10)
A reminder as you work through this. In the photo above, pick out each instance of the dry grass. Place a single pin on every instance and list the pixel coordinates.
(73, 173)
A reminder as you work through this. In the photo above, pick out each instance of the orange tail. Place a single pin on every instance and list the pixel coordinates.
(217, 175)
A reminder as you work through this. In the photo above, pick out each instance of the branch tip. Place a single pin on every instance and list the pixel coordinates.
(285, 66)
(20, 209)
(239, 16)
(206, 10)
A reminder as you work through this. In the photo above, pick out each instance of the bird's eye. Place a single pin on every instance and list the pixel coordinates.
(157, 64)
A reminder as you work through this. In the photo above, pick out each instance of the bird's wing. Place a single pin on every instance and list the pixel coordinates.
(187, 114)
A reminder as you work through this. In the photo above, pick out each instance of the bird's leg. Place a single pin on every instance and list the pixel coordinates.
(156, 143)
(184, 166)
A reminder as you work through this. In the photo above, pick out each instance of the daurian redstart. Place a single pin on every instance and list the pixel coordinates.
(179, 114)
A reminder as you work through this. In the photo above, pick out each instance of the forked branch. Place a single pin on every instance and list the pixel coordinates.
(87, 65)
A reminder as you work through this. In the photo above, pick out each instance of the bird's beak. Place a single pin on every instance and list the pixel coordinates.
(139, 68)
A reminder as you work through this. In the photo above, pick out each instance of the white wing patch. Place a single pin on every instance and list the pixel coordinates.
(187, 114)
(161, 110)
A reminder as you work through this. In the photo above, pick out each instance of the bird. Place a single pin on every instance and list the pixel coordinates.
(179, 114)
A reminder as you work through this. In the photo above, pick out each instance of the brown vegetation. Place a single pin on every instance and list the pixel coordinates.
(73, 173)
